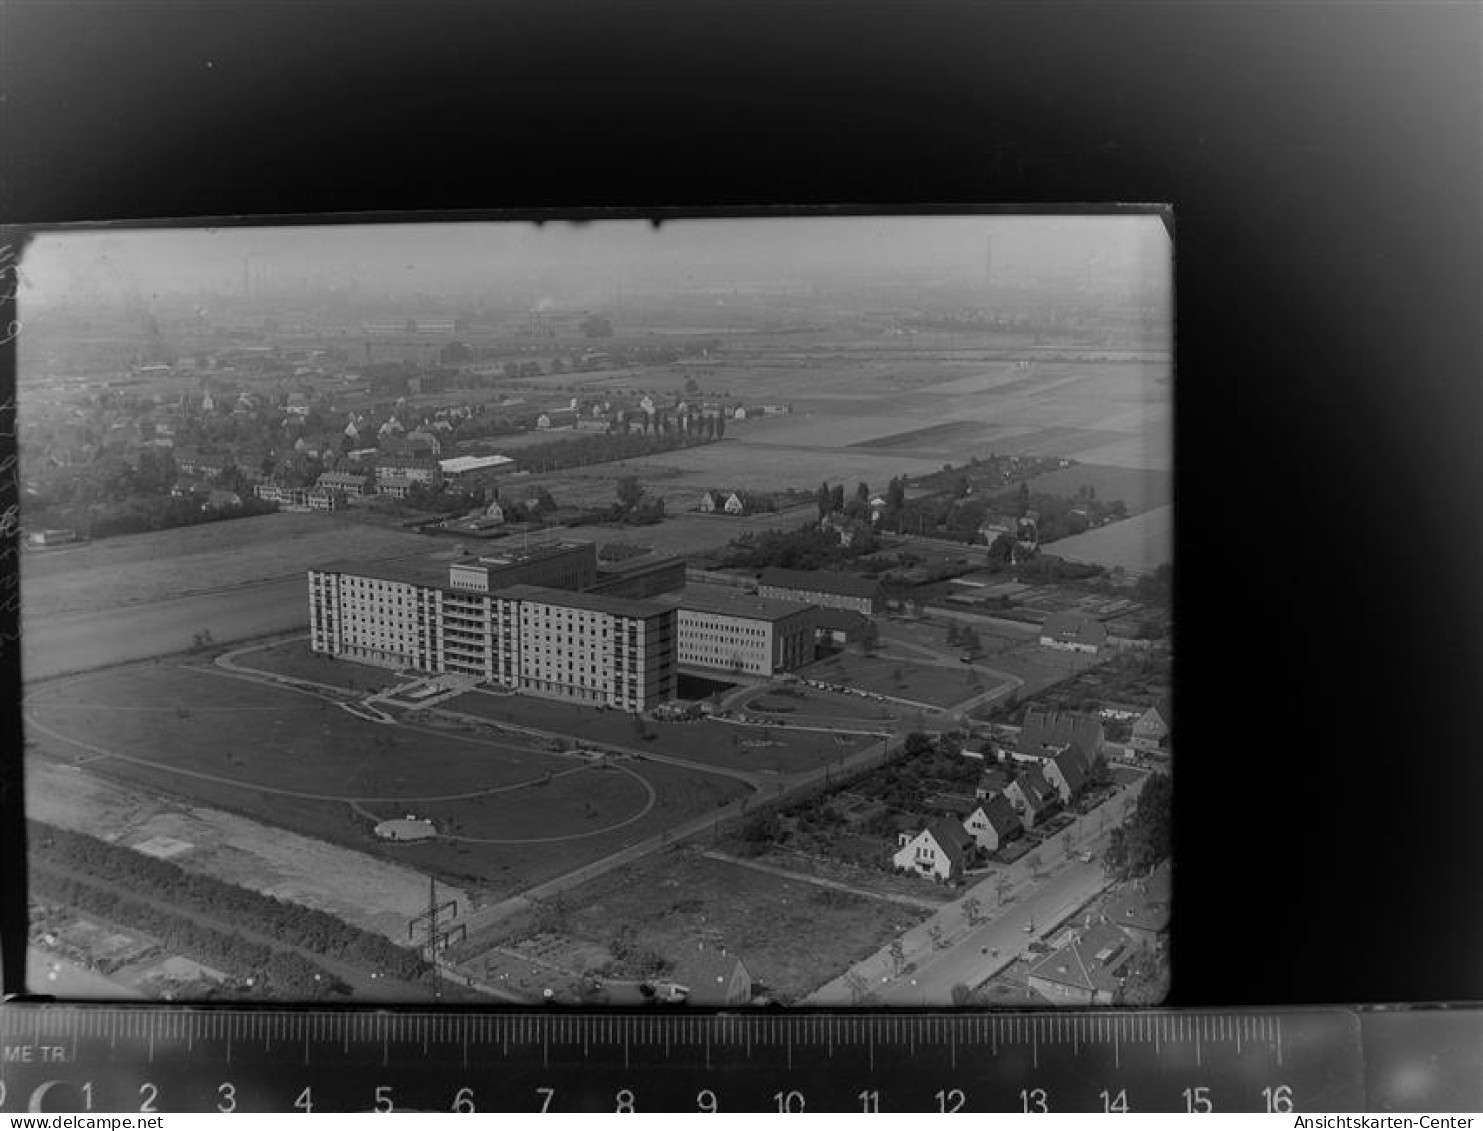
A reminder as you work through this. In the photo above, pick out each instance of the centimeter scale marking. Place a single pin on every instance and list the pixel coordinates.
(125, 1058)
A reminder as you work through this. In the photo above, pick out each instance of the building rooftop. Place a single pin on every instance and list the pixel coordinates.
(739, 605)
(460, 464)
(429, 572)
(1073, 626)
(822, 581)
(516, 555)
(593, 602)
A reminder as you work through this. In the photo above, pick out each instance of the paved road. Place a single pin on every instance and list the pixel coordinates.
(968, 957)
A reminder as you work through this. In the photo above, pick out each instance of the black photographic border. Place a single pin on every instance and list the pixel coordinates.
(1322, 161)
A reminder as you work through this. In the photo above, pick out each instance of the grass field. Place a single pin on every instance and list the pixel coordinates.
(793, 936)
(1140, 543)
(706, 741)
(521, 815)
(167, 564)
(293, 658)
(937, 684)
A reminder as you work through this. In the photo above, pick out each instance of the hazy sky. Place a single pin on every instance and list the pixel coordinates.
(442, 258)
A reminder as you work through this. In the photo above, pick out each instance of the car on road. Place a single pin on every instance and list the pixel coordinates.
(1084, 856)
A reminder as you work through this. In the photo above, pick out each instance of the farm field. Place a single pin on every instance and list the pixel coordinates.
(298, 761)
(1141, 489)
(705, 741)
(935, 684)
(1138, 544)
(793, 936)
(168, 564)
(52, 645)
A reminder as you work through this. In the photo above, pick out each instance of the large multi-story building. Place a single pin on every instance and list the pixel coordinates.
(744, 634)
(823, 587)
(513, 618)
(590, 648)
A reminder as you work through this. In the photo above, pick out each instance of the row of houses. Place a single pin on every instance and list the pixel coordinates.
(1050, 764)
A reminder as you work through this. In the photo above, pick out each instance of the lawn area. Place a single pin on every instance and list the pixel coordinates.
(936, 684)
(793, 936)
(299, 762)
(293, 658)
(705, 741)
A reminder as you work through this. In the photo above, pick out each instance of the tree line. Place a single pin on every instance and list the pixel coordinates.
(289, 923)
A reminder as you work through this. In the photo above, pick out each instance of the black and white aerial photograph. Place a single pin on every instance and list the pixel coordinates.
(721, 612)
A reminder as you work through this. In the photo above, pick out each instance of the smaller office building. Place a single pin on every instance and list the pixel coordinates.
(744, 634)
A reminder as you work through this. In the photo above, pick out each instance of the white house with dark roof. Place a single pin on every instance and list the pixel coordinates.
(1073, 632)
(1142, 910)
(993, 823)
(1152, 731)
(1045, 733)
(1032, 796)
(940, 850)
(1068, 773)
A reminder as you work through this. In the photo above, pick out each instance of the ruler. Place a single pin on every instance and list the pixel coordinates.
(111, 1058)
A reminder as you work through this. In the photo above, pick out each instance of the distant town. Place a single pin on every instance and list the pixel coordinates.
(805, 643)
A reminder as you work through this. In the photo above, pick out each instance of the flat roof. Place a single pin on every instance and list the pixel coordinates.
(426, 572)
(519, 555)
(741, 605)
(594, 602)
(821, 581)
(460, 464)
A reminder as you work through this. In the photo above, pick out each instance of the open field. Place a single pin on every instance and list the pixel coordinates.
(511, 815)
(1138, 544)
(936, 684)
(793, 936)
(378, 895)
(293, 658)
(70, 642)
(168, 564)
(705, 741)
(1140, 489)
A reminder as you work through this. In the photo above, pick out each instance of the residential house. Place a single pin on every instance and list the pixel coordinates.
(346, 482)
(1090, 970)
(326, 499)
(221, 500)
(426, 472)
(1032, 796)
(993, 823)
(1043, 733)
(709, 976)
(556, 418)
(1152, 732)
(297, 405)
(709, 502)
(1068, 772)
(394, 486)
(940, 850)
(1142, 911)
(990, 782)
(1023, 529)
(423, 445)
(1073, 632)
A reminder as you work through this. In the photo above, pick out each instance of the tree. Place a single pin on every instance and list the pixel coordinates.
(973, 909)
(630, 491)
(917, 744)
(869, 638)
(897, 953)
(857, 985)
(1022, 500)
(691, 387)
(721, 427)
(822, 499)
(836, 497)
(962, 995)
(1144, 841)
(934, 932)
